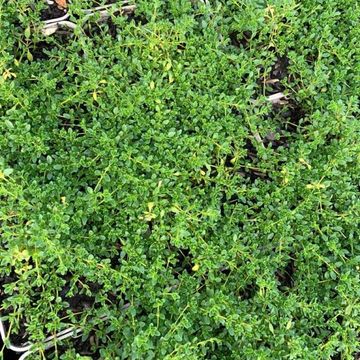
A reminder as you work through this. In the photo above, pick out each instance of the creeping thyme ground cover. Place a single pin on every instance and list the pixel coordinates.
(153, 197)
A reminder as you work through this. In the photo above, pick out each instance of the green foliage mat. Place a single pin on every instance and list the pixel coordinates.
(145, 177)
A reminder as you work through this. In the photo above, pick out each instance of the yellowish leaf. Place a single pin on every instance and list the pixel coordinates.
(175, 209)
(196, 267)
(168, 66)
(149, 216)
(317, 186)
(304, 162)
(27, 32)
(29, 56)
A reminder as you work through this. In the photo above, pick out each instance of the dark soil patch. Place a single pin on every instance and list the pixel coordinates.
(8, 279)
(226, 203)
(280, 68)
(248, 292)
(108, 25)
(93, 29)
(138, 19)
(67, 122)
(291, 117)
(116, 259)
(251, 172)
(42, 50)
(19, 337)
(8, 354)
(276, 139)
(184, 262)
(238, 39)
(83, 347)
(272, 83)
(52, 12)
(77, 303)
(285, 276)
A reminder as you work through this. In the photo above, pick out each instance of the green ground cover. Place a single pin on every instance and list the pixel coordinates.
(145, 177)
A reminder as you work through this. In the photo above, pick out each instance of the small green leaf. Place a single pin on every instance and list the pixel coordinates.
(271, 327)
(172, 132)
(29, 56)
(9, 124)
(8, 171)
(27, 32)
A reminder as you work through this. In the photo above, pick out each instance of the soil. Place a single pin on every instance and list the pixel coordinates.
(250, 171)
(285, 276)
(78, 303)
(240, 39)
(52, 12)
(8, 354)
(184, 261)
(82, 347)
(272, 84)
(41, 50)
(289, 115)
